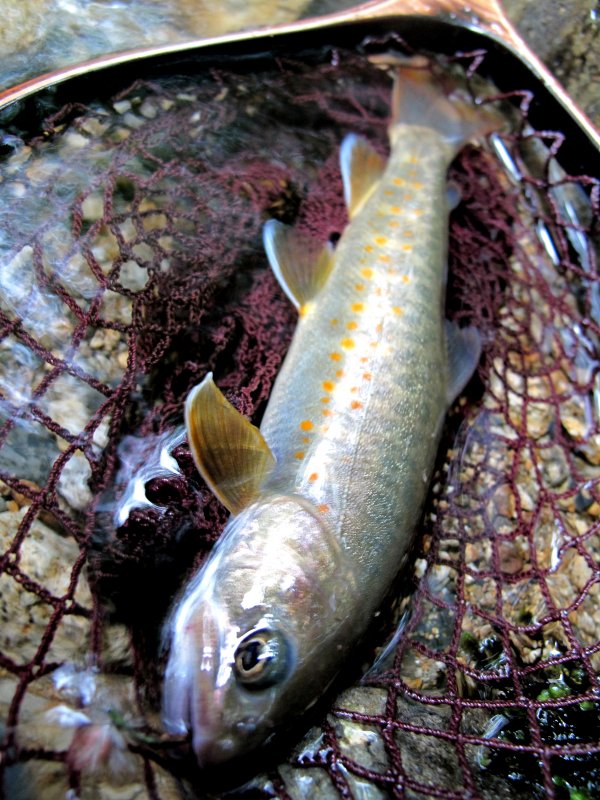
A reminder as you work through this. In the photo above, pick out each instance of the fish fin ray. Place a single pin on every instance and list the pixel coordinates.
(230, 453)
(362, 168)
(464, 350)
(418, 99)
(300, 263)
(386, 657)
(453, 195)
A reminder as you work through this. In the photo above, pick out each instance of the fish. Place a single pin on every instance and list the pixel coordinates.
(326, 495)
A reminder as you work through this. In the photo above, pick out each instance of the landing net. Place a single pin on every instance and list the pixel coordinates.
(132, 265)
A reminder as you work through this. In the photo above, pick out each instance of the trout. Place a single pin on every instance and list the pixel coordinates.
(326, 496)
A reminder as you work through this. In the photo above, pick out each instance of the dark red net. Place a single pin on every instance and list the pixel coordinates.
(132, 265)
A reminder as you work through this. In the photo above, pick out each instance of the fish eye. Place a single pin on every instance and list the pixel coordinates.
(259, 660)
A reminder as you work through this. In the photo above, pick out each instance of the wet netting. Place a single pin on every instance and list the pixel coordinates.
(131, 265)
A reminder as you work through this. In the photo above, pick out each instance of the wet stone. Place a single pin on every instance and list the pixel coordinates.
(555, 466)
(432, 758)
(29, 451)
(25, 616)
(39, 728)
(73, 485)
(70, 402)
(307, 783)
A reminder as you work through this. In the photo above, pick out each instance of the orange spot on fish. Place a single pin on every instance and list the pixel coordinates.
(385, 258)
(299, 455)
(397, 310)
(354, 389)
(305, 439)
(378, 291)
(334, 321)
(394, 223)
(364, 360)
(326, 412)
(407, 248)
(418, 212)
(348, 343)
(380, 240)
(413, 159)
(328, 386)
(408, 234)
(396, 210)
(352, 326)
(408, 196)
(357, 307)
(367, 273)
(339, 373)
(367, 376)
(302, 310)
(379, 328)
(325, 399)
(406, 279)
(323, 508)
(389, 192)
(398, 181)
(335, 356)
(356, 404)
(306, 425)
(313, 476)
(359, 287)
(417, 185)
(369, 248)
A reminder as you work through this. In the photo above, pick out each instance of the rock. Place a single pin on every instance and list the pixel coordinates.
(47, 722)
(47, 559)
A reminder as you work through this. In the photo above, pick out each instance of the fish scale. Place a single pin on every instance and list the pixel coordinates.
(397, 409)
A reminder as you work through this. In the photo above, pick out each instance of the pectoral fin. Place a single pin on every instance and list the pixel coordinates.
(301, 264)
(362, 167)
(463, 347)
(230, 453)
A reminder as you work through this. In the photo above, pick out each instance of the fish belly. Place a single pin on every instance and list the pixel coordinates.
(355, 414)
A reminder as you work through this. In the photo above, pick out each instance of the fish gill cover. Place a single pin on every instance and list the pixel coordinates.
(131, 265)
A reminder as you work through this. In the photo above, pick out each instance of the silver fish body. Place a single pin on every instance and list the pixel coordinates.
(354, 416)
(326, 497)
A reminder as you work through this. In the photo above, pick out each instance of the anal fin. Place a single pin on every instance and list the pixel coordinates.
(231, 454)
(463, 346)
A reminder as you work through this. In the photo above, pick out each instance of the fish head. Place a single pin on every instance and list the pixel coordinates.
(248, 637)
(221, 682)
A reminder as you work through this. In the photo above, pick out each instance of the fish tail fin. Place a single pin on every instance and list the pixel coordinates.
(419, 99)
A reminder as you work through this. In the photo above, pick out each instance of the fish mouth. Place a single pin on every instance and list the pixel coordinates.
(215, 746)
(215, 738)
(210, 742)
(195, 685)
(192, 700)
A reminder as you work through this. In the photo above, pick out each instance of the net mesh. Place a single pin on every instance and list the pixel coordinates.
(132, 265)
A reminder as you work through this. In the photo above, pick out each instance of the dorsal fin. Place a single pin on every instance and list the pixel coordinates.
(301, 264)
(362, 167)
(231, 454)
